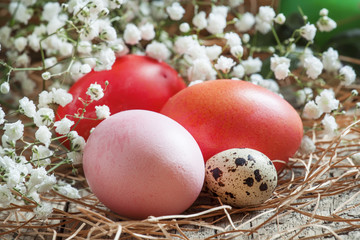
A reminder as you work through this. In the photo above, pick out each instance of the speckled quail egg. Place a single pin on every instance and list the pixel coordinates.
(241, 177)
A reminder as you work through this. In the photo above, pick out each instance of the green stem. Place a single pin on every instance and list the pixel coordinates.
(276, 38)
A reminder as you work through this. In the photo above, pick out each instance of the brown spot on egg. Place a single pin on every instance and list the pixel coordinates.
(257, 175)
(263, 187)
(240, 162)
(247, 193)
(249, 181)
(230, 194)
(216, 173)
(221, 184)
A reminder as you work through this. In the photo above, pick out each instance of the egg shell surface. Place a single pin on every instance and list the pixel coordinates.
(141, 163)
(241, 177)
(224, 114)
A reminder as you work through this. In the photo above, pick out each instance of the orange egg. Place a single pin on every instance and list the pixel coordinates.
(225, 114)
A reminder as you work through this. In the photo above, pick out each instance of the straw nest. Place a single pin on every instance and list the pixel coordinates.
(317, 196)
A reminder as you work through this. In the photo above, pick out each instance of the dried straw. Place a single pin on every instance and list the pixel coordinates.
(317, 196)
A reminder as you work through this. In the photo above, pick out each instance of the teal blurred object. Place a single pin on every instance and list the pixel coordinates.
(346, 13)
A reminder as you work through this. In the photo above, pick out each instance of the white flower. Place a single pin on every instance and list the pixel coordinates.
(275, 60)
(303, 95)
(232, 39)
(6, 142)
(75, 157)
(14, 131)
(56, 23)
(84, 47)
(245, 23)
(326, 24)
(41, 155)
(175, 11)
(85, 68)
(201, 70)
(158, 51)
(44, 117)
(20, 43)
(27, 107)
(119, 47)
(307, 145)
(5, 87)
(200, 21)
(78, 144)
(224, 64)
(50, 10)
(183, 43)
(102, 112)
(220, 9)
(280, 66)
(43, 134)
(63, 126)
(23, 60)
(312, 110)
(324, 12)
(308, 31)
(238, 71)
(108, 33)
(13, 177)
(132, 35)
(147, 31)
(280, 19)
(68, 191)
(2, 115)
(46, 76)
(330, 60)
(237, 51)
(264, 19)
(5, 32)
(6, 197)
(213, 52)
(281, 71)
(39, 180)
(246, 38)
(252, 65)
(184, 27)
(216, 23)
(327, 101)
(66, 49)
(43, 211)
(95, 91)
(34, 42)
(22, 13)
(348, 75)
(330, 125)
(45, 98)
(50, 62)
(89, 32)
(75, 70)
(313, 66)
(61, 96)
(105, 59)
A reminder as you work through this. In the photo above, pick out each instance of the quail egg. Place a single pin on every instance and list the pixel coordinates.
(241, 177)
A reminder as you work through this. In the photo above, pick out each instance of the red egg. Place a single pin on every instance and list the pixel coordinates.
(225, 114)
(135, 82)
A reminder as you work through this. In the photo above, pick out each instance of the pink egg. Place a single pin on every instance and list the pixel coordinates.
(141, 163)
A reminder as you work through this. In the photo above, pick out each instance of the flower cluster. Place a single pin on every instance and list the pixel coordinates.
(61, 42)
